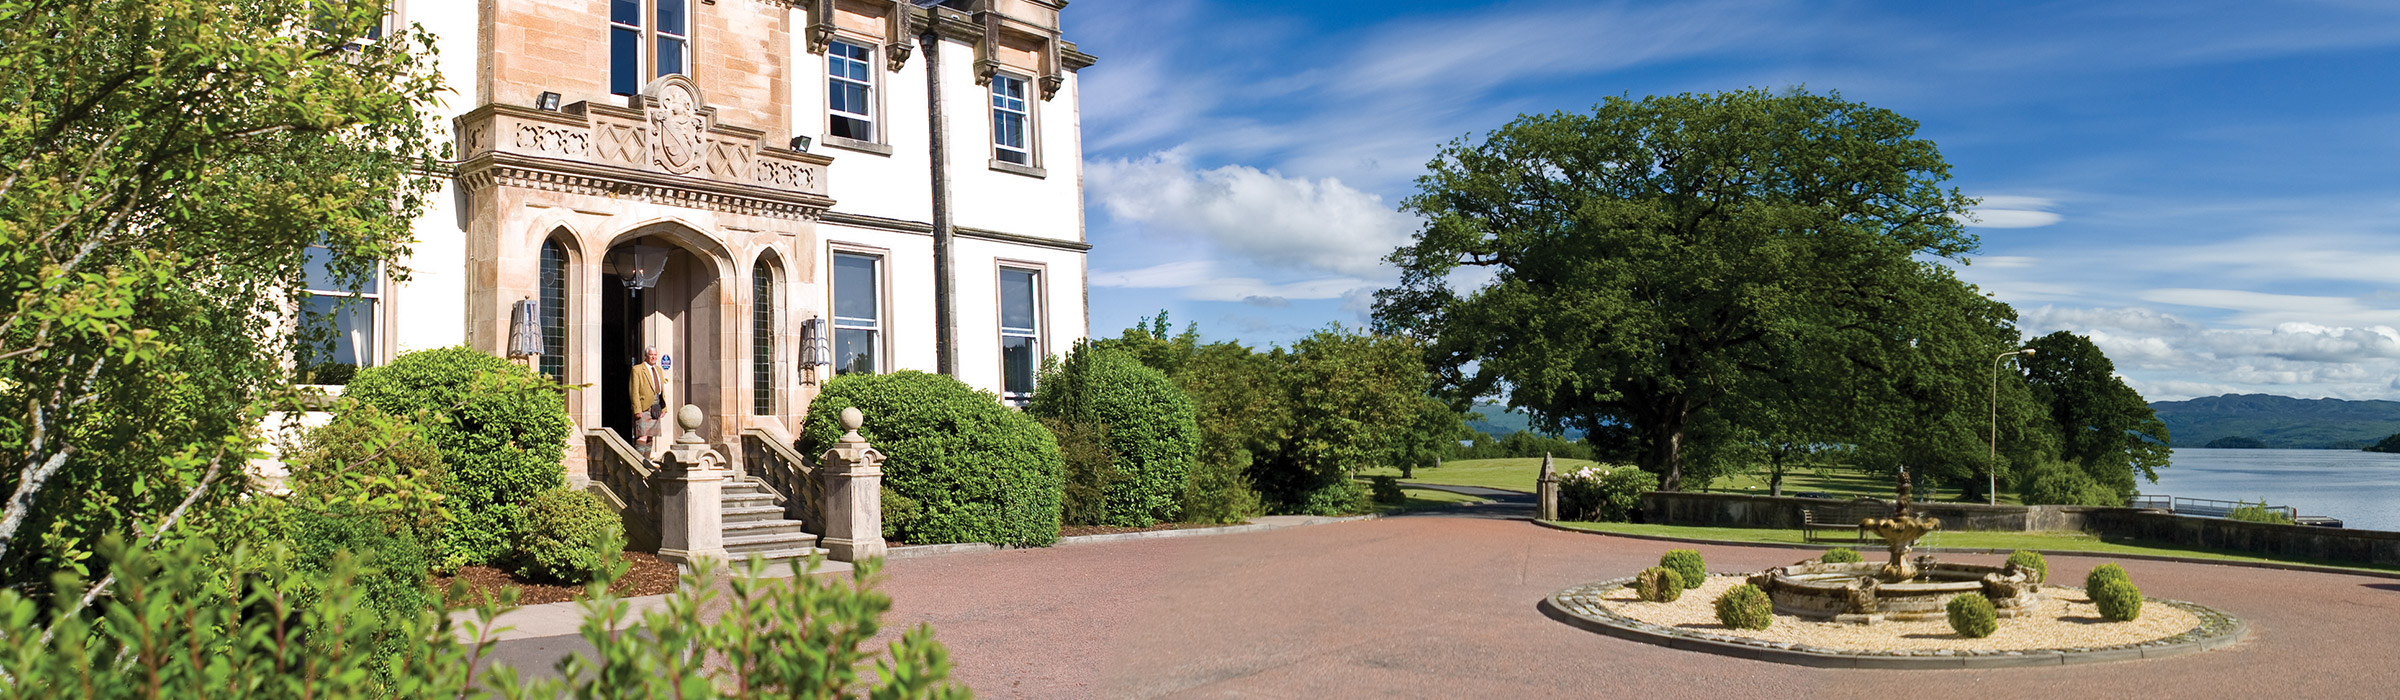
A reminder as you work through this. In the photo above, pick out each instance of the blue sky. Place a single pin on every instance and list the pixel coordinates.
(2209, 190)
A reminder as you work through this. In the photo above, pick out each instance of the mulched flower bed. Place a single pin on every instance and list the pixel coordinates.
(1074, 530)
(648, 576)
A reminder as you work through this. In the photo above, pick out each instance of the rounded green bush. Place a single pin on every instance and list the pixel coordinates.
(1841, 555)
(1745, 607)
(2105, 572)
(2118, 599)
(1659, 584)
(501, 429)
(1972, 615)
(976, 470)
(569, 537)
(2034, 561)
(1148, 425)
(1686, 562)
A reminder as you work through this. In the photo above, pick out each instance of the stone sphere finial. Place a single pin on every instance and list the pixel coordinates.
(690, 417)
(852, 419)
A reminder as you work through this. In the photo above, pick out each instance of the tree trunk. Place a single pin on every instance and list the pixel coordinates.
(1775, 478)
(1666, 446)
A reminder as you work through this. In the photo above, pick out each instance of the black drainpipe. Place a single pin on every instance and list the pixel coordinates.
(945, 317)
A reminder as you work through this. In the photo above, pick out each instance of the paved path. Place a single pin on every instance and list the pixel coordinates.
(1438, 606)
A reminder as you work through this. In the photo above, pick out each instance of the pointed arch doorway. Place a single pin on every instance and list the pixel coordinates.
(664, 288)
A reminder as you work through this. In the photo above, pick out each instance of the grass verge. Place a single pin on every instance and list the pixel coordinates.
(1512, 473)
(2044, 542)
(1422, 499)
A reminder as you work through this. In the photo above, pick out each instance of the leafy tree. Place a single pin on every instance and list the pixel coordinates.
(1649, 260)
(1144, 422)
(1349, 391)
(2103, 426)
(1436, 432)
(164, 168)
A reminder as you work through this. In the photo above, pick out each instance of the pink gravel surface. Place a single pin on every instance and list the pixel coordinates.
(1445, 607)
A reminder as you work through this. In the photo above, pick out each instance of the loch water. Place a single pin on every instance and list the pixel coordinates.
(2360, 488)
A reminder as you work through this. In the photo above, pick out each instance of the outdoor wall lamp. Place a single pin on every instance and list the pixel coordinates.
(800, 143)
(547, 102)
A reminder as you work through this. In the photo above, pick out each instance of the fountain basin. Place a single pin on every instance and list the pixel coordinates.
(1850, 591)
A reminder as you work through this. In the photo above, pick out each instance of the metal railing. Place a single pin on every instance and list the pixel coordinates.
(623, 476)
(2207, 507)
(774, 462)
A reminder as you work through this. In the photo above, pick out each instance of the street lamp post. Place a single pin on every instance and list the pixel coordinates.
(1991, 464)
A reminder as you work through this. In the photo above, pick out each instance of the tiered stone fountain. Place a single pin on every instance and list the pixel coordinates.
(1901, 588)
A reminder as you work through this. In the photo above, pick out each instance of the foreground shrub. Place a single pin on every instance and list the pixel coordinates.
(2105, 572)
(1972, 615)
(1687, 563)
(362, 490)
(501, 428)
(1217, 492)
(569, 537)
(976, 470)
(1745, 607)
(1612, 494)
(1386, 490)
(2118, 599)
(2064, 484)
(1659, 584)
(2034, 561)
(1841, 555)
(198, 622)
(1146, 424)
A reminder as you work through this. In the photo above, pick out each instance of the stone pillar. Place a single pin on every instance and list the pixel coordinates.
(1547, 490)
(853, 482)
(691, 486)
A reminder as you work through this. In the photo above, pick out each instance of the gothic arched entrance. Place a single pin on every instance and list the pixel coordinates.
(663, 287)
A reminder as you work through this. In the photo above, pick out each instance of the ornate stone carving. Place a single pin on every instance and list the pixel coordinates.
(677, 127)
(781, 174)
(551, 140)
(728, 160)
(623, 144)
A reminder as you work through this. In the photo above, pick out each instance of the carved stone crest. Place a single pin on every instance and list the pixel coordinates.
(679, 128)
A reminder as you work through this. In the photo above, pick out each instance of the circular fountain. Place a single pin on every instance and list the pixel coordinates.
(1902, 588)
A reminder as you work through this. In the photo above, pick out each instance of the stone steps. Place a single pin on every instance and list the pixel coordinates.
(754, 524)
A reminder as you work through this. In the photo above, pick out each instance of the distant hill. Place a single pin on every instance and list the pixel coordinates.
(2280, 422)
(1498, 420)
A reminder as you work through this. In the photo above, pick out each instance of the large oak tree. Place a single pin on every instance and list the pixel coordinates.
(1633, 270)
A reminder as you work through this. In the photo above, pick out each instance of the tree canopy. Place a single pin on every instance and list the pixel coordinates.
(165, 168)
(2103, 426)
(1637, 270)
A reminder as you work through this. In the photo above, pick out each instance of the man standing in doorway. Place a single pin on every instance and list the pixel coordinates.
(649, 401)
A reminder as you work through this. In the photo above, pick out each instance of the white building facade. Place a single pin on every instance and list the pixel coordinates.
(753, 187)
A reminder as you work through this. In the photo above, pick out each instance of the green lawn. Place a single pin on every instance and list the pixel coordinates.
(1421, 499)
(2044, 542)
(1514, 473)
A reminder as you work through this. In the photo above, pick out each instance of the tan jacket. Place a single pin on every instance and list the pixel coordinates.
(648, 383)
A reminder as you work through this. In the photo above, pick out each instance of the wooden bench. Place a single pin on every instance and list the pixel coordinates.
(1834, 519)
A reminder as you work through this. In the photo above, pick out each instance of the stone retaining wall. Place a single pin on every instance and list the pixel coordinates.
(2322, 543)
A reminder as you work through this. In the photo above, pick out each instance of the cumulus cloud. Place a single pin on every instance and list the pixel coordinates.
(1260, 215)
(2003, 211)
(1203, 280)
(2173, 358)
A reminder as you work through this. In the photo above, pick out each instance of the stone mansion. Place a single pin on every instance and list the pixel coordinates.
(770, 192)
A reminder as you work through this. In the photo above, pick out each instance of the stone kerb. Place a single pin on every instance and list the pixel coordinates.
(691, 483)
(853, 474)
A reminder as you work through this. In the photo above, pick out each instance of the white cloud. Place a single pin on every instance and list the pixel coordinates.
(1204, 280)
(2169, 358)
(1259, 215)
(2004, 211)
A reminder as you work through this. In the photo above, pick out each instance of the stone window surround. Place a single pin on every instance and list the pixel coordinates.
(1032, 166)
(885, 326)
(1041, 318)
(876, 108)
(770, 266)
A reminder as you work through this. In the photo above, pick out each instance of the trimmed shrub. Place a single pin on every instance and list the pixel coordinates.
(1686, 562)
(1841, 555)
(2105, 572)
(501, 428)
(1659, 584)
(1090, 471)
(2065, 484)
(1138, 414)
(1217, 491)
(1386, 489)
(899, 514)
(976, 470)
(569, 537)
(2118, 599)
(1612, 494)
(1745, 607)
(1972, 615)
(2034, 561)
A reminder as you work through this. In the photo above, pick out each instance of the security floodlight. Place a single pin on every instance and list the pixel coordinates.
(547, 102)
(800, 143)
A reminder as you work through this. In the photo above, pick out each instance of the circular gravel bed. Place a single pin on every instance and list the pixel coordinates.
(2064, 628)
